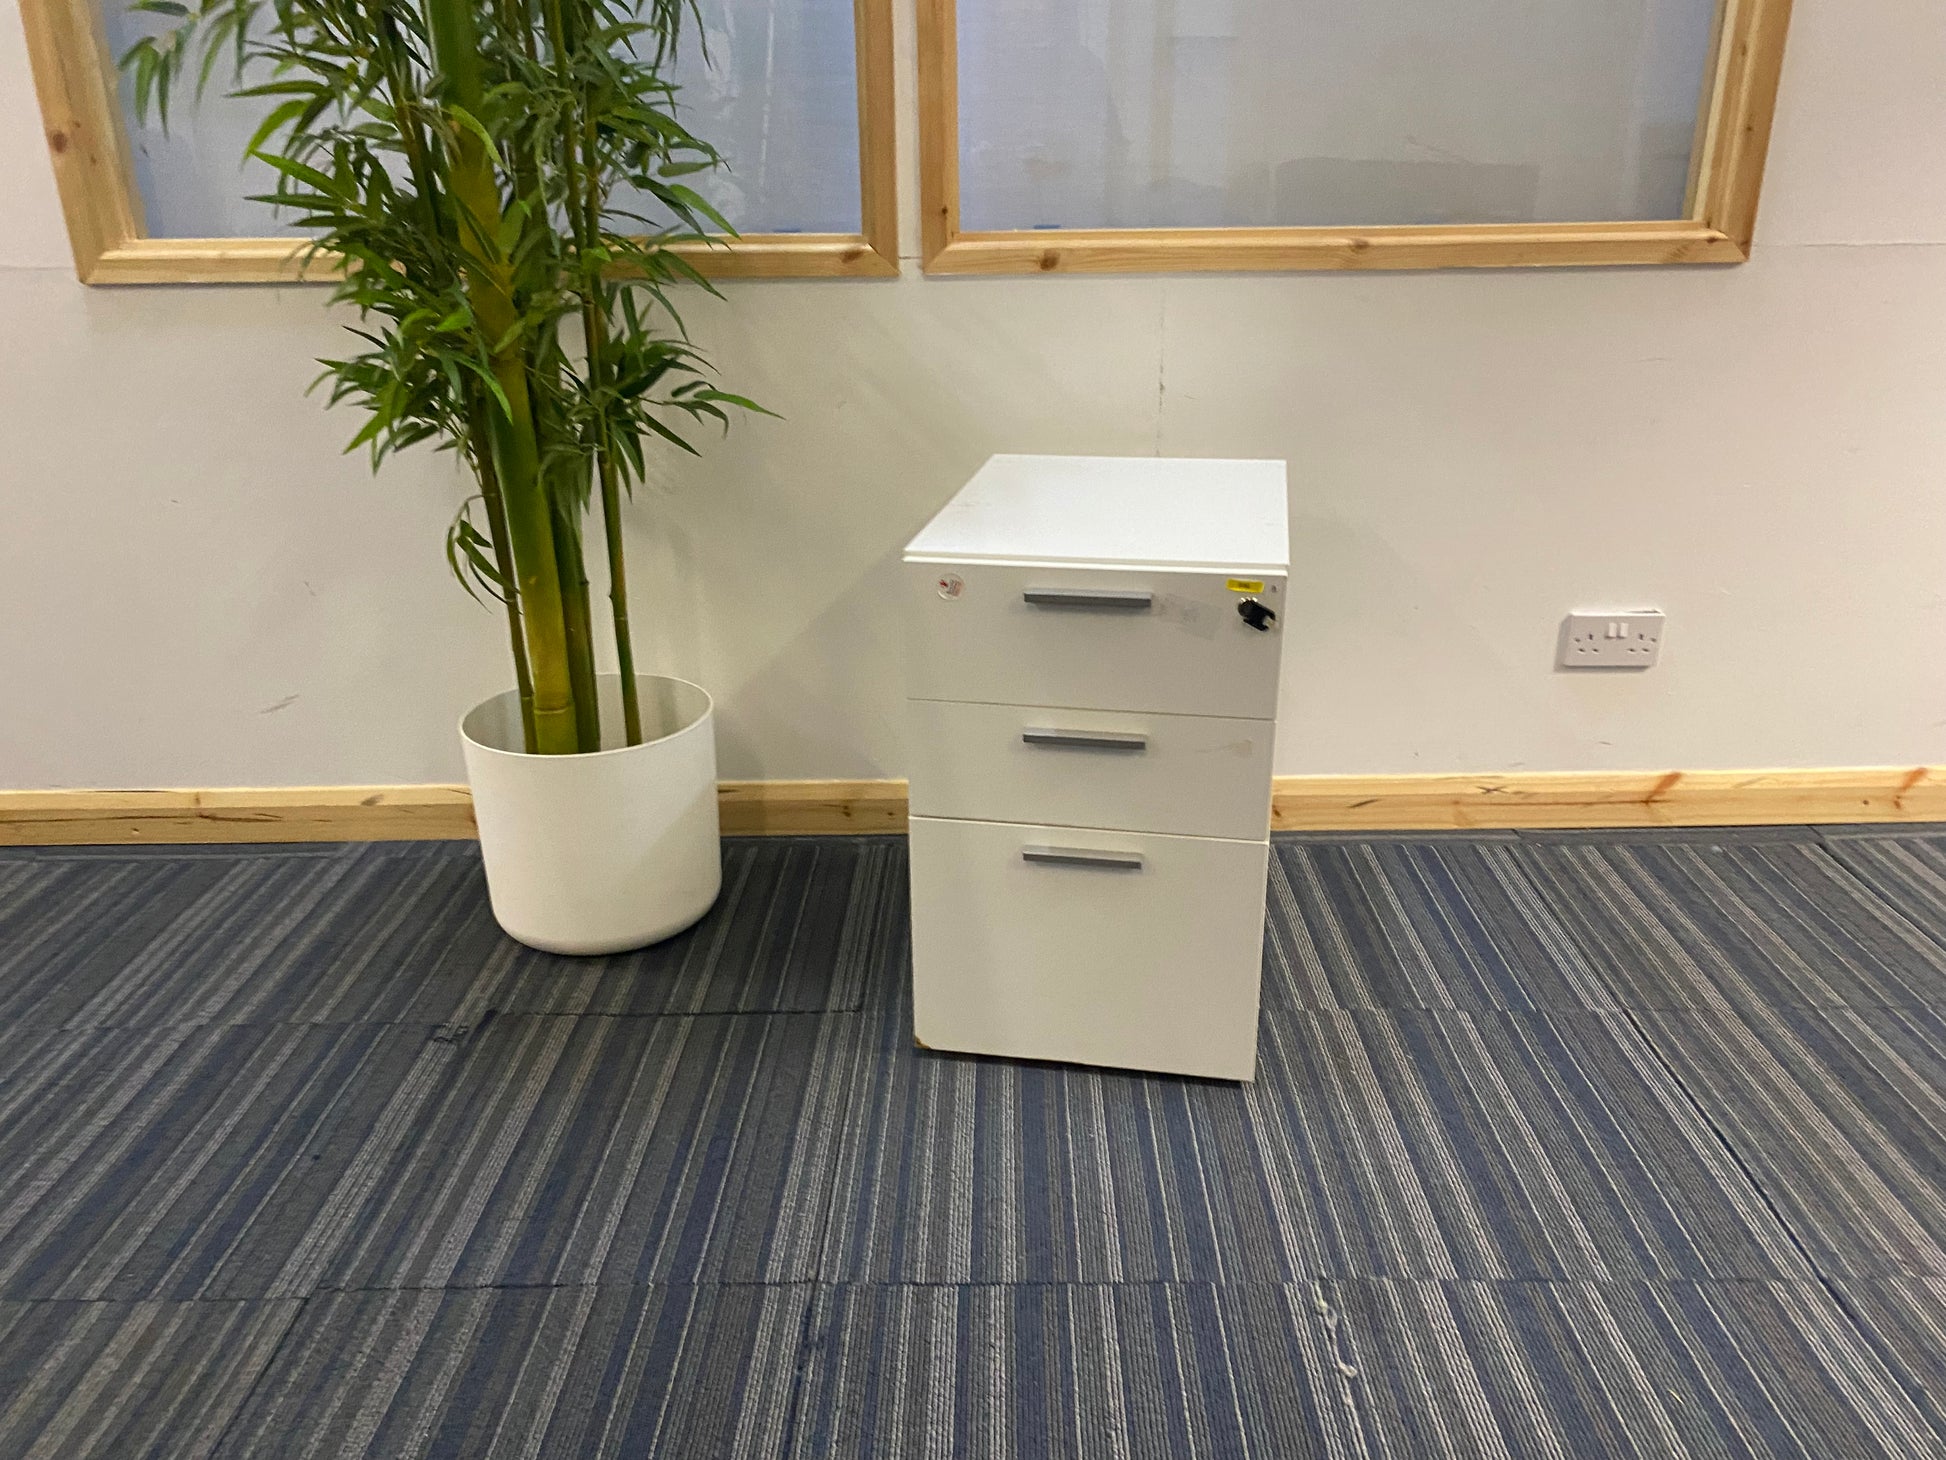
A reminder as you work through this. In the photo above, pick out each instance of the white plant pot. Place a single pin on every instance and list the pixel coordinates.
(608, 850)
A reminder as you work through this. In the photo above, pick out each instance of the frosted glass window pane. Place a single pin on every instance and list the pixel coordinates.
(191, 182)
(778, 98)
(1242, 113)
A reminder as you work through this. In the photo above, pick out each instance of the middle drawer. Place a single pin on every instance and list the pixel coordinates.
(1191, 775)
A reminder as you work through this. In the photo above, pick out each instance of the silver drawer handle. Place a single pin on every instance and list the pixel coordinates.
(1083, 857)
(1139, 599)
(1086, 739)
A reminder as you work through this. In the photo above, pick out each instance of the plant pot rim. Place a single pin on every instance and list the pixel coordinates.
(584, 756)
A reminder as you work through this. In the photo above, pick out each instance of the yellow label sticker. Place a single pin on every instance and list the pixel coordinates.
(1246, 585)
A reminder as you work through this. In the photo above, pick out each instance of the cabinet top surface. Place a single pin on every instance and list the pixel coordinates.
(1179, 512)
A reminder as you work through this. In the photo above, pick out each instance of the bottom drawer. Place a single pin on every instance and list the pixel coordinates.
(1104, 948)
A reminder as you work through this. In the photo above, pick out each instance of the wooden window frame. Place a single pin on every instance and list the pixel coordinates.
(81, 110)
(1733, 136)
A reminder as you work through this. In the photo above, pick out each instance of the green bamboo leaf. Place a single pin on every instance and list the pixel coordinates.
(142, 61)
(279, 117)
(695, 202)
(302, 172)
(469, 122)
(366, 433)
(219, 31)
(492, 383)
(461, 555)
(652, 424)
(511, 223)
(279, 88)
(742, 402)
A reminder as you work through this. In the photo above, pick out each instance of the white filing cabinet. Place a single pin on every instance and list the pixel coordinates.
(1094, 657)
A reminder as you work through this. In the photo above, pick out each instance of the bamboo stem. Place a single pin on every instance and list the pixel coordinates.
(611, 522)
(595, 325)
(584, 219)
(530, 530)
(496, 510)
(479, 431)
(566, 484)
(594, 319)
(475, 195)
(579, 623)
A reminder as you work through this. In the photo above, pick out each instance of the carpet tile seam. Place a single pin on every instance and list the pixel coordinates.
(264, 1371)
(1826, 1282)
(460, 1030)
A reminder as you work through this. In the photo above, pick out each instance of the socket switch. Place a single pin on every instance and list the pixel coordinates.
(1596, 640)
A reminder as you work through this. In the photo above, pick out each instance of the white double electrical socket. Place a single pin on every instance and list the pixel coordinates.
(1598, 640)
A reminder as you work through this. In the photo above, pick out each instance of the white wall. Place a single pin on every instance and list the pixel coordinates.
(196, 589)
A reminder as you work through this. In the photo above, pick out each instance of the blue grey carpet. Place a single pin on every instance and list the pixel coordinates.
(1571, 1145)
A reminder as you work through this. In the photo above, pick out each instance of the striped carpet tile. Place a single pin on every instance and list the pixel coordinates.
(1699, 926)
(1040, 1372)
(293, 940)
(1575, 1371)
(16, 873)
(803, 923)
(1905, 1320)
(69, 928)
(289, 934)
(402, 932)
(1435, 923)
(179, 1162)
(957, 1169)
(135, 1381)
(1377, 1143)
(1908, 872)
(1358, 1369)
(536, 1373)
(1838, 1113)
(1497, 1144)
(584, 1150)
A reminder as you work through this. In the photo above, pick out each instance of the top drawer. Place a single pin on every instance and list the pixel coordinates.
(1093, 638)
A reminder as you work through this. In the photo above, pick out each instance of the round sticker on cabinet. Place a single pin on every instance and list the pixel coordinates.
(951, 585)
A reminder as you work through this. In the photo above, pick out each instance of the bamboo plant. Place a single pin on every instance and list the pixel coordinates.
(460, 160)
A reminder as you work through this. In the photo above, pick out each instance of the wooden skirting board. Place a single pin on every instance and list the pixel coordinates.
(392, 813)
(1299, 803)
(282, 814)
(1560, 799)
